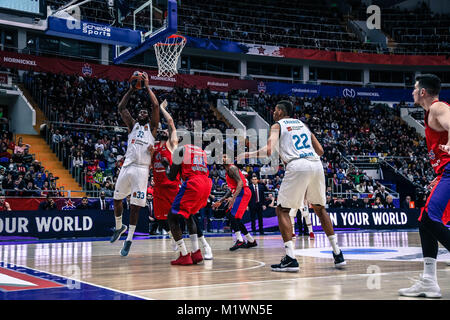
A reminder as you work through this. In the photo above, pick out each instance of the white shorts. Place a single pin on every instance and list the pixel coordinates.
(303, 178)
(132, 180)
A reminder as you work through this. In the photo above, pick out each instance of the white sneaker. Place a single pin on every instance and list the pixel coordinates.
(424, 287)
(208, 253)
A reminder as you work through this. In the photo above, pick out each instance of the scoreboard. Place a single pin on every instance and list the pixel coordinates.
(35, 8)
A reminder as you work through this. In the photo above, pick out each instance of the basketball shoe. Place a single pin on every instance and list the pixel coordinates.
(183, 260)
(208, 253)
(287, 264)
(250, 244)
(126, 248)
(117, 233)
(339, 260)
(238, 244)
(197, 256)
(311, 235)
(424, 287)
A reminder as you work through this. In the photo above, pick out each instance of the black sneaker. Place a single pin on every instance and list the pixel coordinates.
(126, 248)
(250, 244)
(339, 260)
(237, 245)
(287, 265)
(117, 233)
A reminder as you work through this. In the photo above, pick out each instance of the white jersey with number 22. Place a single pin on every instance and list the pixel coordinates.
(295, 141)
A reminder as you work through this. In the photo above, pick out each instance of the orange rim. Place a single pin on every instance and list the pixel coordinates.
(174, 36)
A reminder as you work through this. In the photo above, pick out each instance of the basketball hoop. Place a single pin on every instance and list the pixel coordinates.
(167, 54)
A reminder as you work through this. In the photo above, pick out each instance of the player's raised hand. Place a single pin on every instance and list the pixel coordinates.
(445, 148)
(145, 75)
(163, 104)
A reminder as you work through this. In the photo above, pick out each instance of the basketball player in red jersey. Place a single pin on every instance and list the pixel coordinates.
(165, 190)
(190, 162)
(436, 213)
(240, 197)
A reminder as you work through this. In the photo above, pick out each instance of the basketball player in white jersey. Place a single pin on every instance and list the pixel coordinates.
(304, 215)
(133, 176)
(300, 151)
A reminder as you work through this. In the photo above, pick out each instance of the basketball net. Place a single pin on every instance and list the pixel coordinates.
(167, 54)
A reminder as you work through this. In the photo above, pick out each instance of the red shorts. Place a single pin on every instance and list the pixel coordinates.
(163, 197)
(241, 203)
(438, 202)
(193, 196)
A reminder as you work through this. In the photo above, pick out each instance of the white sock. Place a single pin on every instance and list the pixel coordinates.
(249, 237)
(203, 242)
(429, 268)
(289, 246)
(118, 222)
(171, 238)
(293, 224)
(334, 245)
(239, 236)
(182, 246)
(308, 221)
(131, 229)
(310, 229)
(194, 242)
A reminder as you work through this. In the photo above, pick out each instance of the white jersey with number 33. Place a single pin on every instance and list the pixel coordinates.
(295, 141)
(139, 139)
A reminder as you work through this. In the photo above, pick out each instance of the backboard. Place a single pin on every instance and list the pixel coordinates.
(153, 34)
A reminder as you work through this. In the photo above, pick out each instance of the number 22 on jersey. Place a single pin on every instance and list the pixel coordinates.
(301, 142)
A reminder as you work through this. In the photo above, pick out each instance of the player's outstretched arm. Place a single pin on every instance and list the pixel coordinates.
(154, 121)
(124, 113)
(442, 113)
(267, 150)
(172, 143)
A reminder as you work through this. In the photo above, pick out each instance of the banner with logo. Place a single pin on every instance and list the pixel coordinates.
(93, 32)
(315, 54)
(373, 94)
(352, 219)
(32, 204)
(119, 73)
(64, 224)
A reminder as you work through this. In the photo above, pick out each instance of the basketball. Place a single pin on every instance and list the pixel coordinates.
(137, 79)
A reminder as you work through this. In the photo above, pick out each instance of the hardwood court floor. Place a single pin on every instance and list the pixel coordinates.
(378, 264)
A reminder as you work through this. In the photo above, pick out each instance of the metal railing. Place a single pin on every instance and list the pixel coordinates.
(398, 171)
